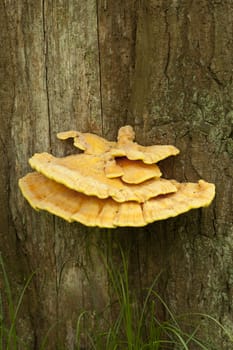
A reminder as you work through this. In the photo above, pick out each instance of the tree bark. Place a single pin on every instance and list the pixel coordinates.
(165, 67)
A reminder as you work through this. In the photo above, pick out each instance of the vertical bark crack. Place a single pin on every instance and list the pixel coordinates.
(100, 68)
(168, 47)
(46, 77)
(214, 77)
(46, 70)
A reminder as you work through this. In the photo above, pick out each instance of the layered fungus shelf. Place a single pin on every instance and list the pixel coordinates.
(110, 184)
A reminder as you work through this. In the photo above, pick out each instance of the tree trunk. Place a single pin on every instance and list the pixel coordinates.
(165, 67)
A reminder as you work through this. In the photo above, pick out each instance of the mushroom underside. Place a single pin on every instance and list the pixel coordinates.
(45, 194)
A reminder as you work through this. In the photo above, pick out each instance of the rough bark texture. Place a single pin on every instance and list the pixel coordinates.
(164, 67)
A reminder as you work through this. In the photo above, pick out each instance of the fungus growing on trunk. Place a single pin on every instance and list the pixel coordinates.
(110, 184)
(85, 173)
(124, 147)
(133, 172)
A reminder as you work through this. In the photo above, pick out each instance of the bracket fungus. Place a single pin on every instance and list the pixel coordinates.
(110, 184)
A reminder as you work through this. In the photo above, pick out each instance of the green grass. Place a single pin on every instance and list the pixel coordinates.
(135, 325)
(9, 339)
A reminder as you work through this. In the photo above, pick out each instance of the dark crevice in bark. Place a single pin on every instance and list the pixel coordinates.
(56, 268)
(134, 38)
(214, 77)
(100, 68)
(46, 70)
(214, 221)
(6, 140)
(46, 61)
(168, 46)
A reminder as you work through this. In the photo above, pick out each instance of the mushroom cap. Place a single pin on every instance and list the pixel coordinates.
(64, 135)
(43, 193)
(125, 134)
(85, 173)
(148, 154)
(124, 147)
(132, 172)
(87, 142)
(112, 169)
(188, 196)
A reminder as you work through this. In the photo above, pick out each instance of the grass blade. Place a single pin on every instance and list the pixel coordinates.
(16, 311)
(9, 301)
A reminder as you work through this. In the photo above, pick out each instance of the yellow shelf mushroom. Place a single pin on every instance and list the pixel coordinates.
(110, 184)
(131, 172)
(85, 173)
(45, 194)
(124, 147)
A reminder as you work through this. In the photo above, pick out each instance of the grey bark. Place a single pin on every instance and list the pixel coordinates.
(164, 67)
